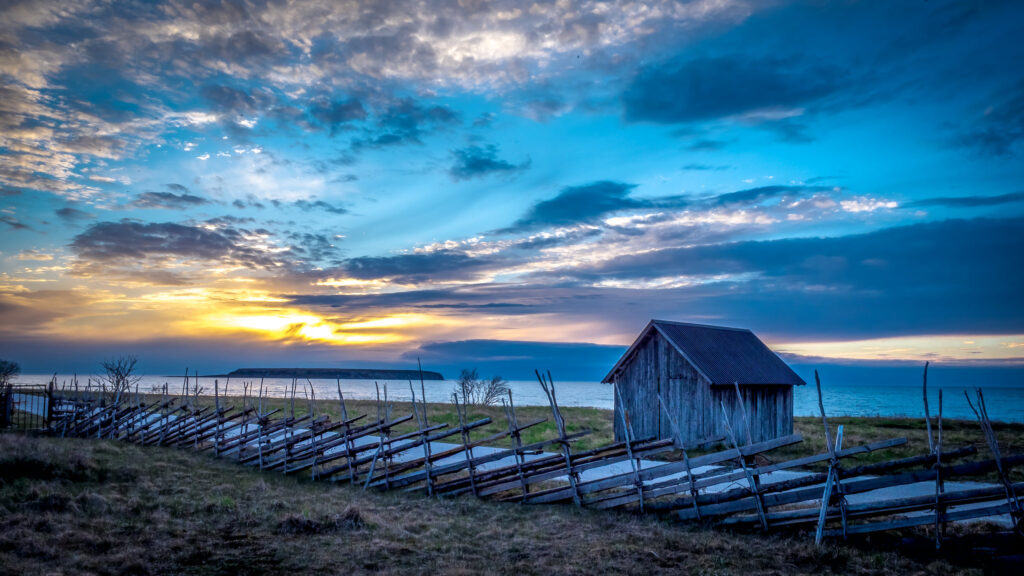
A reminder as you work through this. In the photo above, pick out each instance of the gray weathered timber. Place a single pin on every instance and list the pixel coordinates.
(655, 367)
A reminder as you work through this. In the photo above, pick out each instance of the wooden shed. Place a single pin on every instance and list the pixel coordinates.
(695, 369)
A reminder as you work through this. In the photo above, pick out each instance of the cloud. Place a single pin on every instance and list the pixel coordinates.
(306, 206)
(752, 195)
(73, 215)
(702, 89)
(13, 222)
(1000, 129)
(231, 100)
(333, 114)
(883, 282)
(405, 122)
(586, 204)
(480, 161)
(418, 267)
(576, 204)
(967, 201)
(168, 200)
(167, 252)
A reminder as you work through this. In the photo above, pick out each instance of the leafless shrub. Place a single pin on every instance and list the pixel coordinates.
(470, 389)
(8, 370)
(350, 519)
(119, 376)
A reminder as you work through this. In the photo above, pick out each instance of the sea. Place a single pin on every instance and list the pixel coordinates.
(1005, 401)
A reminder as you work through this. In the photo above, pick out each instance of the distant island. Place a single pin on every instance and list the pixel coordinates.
(334, 373)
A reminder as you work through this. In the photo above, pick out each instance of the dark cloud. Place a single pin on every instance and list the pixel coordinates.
(479, 161)
(133, 243)
(233, 100)
(229, 220)
(577, 204)
(310, 246)
(72, 215)
(1000, 129)
(420, 267)
(588, 203)
(249, 203)
(13, 222)
(406, 122)
(968, 201)
(941, 277)
(701, 89)
(334, 114)
(306, 206)
(753, 195)
(169, 200)
(5, 191)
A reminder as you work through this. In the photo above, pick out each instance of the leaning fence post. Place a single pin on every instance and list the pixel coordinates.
(746, 471)
(694, 493)
(49, 400)
(517, 443)
(993, 443)
(549, 391)
(628, 433)
(927, 416)
(940, 510)
(833, 471)
(466, 447)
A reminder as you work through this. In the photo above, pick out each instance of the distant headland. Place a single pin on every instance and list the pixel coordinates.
(334, 373)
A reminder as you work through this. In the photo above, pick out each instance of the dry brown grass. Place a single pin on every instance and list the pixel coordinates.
(100, 507)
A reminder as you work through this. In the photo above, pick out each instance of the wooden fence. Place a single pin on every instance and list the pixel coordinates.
(733, 486)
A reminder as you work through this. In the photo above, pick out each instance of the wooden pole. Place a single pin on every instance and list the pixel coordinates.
(833, 470)
(549, 391)
(517, 443)
(694, 493)
(927, 416)
(628, 433)
(826, 495)
(993, 443)
(743, 411)
(743, 464)
(940, 510)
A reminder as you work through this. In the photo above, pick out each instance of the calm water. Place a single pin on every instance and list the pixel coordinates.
(1004, 403)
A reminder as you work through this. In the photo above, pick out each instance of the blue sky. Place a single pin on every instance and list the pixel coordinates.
(509, 183)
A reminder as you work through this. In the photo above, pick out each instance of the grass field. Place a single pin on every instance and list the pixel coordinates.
(101, 507)
(956, 433)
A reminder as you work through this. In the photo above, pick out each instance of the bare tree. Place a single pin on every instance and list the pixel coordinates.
(470, 389)
(8, 370)
(119, 376)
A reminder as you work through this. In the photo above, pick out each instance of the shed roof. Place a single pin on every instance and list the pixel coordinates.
(722, 355)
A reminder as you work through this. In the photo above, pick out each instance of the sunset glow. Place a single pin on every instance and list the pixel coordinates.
(506, 184)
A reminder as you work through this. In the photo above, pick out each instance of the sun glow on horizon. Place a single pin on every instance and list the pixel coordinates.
(947, 348)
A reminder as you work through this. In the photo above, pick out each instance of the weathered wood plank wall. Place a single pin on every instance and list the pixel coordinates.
(658, 368)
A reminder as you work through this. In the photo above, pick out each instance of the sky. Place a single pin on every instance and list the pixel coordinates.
(509, 185)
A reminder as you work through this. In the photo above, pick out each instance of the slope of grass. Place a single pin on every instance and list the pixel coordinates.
(101, 507)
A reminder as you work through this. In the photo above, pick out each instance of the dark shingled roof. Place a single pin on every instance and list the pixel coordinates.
(722, 355)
